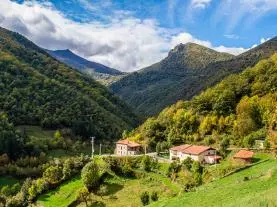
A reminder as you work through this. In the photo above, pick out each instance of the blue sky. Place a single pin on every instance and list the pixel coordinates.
(131, 34)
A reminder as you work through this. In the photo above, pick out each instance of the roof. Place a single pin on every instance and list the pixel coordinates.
(180, 148)
(196, 150)
(129, 143)
(191, 149)
(244, 154)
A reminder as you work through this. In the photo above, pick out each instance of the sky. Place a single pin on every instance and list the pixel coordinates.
(131, 34)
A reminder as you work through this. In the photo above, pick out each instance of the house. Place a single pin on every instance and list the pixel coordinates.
(244, 155)
(126, 148)
(203, 154)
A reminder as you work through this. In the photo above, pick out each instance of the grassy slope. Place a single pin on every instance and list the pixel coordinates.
(39, 136)
(121, 192)
(260, 190)
(61, 196)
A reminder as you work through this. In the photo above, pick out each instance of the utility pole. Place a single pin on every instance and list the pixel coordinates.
(100, 149)
(92, 146)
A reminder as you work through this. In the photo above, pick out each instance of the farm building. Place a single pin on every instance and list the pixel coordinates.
(244, 155)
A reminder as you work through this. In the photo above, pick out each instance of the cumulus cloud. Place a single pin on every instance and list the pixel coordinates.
(186, 37)
(125, 43)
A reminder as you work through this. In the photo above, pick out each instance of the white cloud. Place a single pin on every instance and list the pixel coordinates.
(264, 40)
(186, 37)
(125, 43)
(200, 4)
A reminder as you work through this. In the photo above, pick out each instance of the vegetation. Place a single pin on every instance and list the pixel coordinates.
(259, 189)
(113, 190)
(38, 90)
(237, 111)
(52, 175)
(186, 71)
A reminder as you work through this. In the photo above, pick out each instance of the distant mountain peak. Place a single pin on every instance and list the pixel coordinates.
(70, 58)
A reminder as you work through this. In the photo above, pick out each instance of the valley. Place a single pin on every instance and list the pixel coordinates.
(159, 118)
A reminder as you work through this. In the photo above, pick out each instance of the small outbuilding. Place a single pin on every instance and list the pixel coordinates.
(244, 155)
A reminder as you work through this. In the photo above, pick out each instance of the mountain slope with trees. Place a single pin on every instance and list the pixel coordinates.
(187, 70)
(237, 111)
(36, 89)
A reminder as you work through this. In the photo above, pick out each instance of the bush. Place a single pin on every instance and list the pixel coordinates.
(53, 174)
(144, 197)
(154, 196)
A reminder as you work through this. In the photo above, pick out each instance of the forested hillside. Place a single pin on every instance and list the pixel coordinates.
(237, 111)
(186, 71)
(36, 89)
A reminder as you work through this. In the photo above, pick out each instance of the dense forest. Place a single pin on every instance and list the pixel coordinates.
(188, 70)
(36, 89)
(237, 111)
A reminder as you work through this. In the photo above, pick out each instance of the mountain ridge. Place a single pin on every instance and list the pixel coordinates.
(80, 63)
(174, 78)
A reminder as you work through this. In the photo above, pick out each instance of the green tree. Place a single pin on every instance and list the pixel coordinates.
(90, 176)
(146, 163)
(53, 174)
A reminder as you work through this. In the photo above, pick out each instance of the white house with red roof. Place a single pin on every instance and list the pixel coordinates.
(127, 148)
(203, 154)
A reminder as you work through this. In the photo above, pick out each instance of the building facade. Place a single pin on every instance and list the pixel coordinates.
(127, 148)
(202, 154)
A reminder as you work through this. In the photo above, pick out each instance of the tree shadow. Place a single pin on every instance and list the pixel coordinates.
(97, 204)
(113, 188)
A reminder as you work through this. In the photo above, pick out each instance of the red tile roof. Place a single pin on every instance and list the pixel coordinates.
(196, 150)
(128, 143)
(180, 148)
(244, 154)
(191, 149)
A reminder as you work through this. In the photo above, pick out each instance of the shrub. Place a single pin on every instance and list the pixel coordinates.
(144, 197)
(154, 196)
(53, 174)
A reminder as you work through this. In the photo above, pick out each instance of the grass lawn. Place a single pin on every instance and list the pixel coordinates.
(62, 196)
(6, 180)
(254, 186)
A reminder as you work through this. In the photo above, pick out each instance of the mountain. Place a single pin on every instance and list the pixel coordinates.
(238, 110)
(96, 70)
(36, 89)
(187, 70)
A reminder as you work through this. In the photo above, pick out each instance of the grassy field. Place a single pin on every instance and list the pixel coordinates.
(121, 191)
(61, 196)
(254, 186)
(40, 137)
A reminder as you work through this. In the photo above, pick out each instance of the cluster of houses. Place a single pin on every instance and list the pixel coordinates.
(203, 154)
